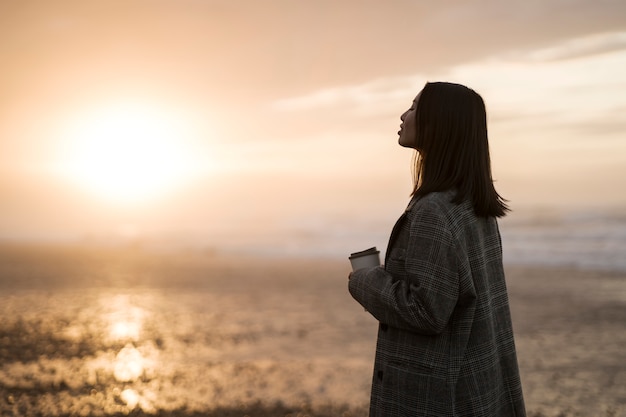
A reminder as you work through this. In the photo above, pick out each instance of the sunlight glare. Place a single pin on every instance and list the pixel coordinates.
(125, 320)
(129, 364)
(123, 330)
(142, 400)
(130, 151)
(130, 397)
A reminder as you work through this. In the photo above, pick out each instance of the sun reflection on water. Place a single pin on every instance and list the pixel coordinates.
(135, 364)
(129, 364)
(125, 320)
(125, 330)
(130, 397)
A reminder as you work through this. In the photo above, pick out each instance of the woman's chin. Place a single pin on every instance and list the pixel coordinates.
(405, 145)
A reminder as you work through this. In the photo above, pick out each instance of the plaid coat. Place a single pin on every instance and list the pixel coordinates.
(445, 342)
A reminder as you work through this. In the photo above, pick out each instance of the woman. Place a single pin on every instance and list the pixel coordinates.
(445, 342)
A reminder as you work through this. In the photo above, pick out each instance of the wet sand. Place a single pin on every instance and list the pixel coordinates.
(111, 332)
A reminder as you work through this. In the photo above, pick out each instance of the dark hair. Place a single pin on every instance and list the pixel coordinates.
(453, 148)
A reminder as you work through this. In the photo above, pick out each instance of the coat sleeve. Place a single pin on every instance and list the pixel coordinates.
(424, 300)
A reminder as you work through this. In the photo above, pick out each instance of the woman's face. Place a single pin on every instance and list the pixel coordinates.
(408, 127)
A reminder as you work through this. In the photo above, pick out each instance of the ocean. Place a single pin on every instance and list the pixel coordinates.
(593, 239)
(584, 239)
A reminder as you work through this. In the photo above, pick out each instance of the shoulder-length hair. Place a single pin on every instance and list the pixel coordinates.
(453, 148)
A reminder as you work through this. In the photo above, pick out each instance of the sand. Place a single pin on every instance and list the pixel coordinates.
(111, 332)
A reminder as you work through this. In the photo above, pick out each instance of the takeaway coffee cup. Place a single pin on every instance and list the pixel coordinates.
(365, 259)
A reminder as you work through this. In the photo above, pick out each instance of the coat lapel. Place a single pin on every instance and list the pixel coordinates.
(398, 227)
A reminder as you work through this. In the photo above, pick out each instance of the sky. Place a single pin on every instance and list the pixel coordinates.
(274, 124)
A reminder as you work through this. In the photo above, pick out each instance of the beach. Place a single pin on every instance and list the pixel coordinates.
(125, 331)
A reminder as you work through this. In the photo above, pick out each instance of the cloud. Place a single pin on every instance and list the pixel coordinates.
(581, 47)
(546, 81)
(375, 92)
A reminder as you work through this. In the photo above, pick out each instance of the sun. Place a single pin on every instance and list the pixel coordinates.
(129, 151)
